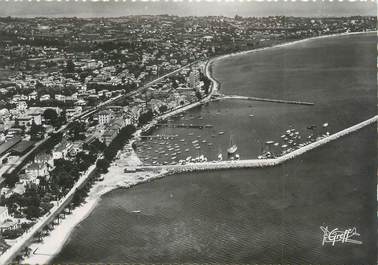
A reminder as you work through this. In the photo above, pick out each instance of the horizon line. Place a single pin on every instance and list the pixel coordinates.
(175, 15)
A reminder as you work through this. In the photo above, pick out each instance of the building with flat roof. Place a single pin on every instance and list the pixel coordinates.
(22, 147)
(6, 147)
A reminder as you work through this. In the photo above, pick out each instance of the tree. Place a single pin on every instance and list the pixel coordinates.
(163, 108)
(77, 130)
(146, 117)
(70, 68)
(63, 179)
(78, 197)
(207, 83)
(36, 131)
(198, 95)
(63, 117)
(10, 179)
(102, 165)
(32, 212)
(50, 116)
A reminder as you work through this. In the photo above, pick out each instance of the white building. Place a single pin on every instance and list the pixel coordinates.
(60, 97)
(194, 78)
(22, 106)
(35, 170)
(105, 117)
(44, 97)
(4, 215)
(61, 150)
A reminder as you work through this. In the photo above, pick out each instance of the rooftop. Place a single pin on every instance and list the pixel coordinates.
(22, 147)
(8, 145)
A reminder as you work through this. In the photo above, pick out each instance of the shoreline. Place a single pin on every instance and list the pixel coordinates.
(52, 244)
(285, 44)
(45, 251)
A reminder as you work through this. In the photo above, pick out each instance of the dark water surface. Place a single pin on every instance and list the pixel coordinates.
(269, 215)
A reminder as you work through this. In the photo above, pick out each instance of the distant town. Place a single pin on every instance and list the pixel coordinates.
(73, 91)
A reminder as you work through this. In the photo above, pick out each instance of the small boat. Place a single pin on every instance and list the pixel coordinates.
(251, 115)
(233, 147)
(220, 133)
(136, 211)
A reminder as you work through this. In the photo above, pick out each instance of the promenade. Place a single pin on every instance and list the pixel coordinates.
(9, 255)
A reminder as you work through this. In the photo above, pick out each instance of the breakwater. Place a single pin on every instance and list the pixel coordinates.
(259, 163)
(295, 102)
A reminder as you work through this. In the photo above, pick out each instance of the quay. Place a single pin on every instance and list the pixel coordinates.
(259, 163)
(165, 136)
(220, 97)
(182, 125)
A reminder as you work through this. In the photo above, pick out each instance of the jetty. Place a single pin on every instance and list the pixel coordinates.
(283, 101)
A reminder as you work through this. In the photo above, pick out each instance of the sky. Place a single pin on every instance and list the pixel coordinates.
(118, 8)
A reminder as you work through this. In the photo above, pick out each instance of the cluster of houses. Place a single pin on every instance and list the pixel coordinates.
(112, 120)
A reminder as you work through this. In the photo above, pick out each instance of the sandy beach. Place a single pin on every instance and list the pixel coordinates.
(43, 252)
(221, 57)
